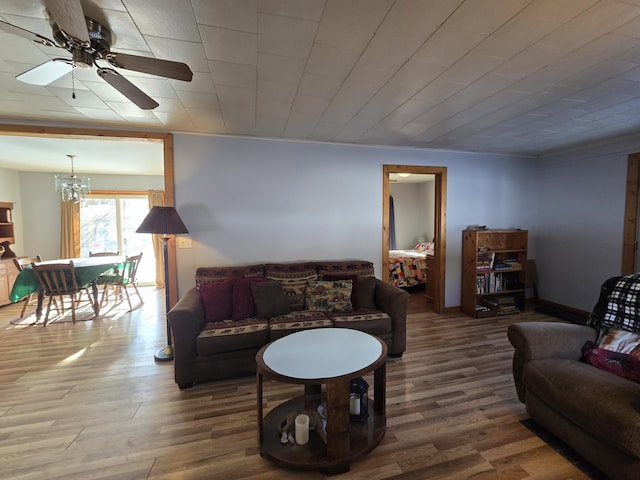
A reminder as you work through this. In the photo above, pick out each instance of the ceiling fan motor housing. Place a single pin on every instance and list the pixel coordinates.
(83, 56)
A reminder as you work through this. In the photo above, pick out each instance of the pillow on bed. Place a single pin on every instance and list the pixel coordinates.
(424, 247)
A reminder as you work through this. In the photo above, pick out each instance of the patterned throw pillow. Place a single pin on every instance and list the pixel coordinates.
(621, 364)
(329, 296)
(622, 341)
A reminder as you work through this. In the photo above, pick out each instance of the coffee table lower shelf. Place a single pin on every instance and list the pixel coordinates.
(363, 437)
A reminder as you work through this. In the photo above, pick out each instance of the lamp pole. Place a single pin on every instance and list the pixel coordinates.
(166, 354)
(164, 221)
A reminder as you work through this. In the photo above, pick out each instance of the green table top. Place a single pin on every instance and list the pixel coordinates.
(87, 270)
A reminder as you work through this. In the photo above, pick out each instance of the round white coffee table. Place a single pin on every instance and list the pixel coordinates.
(329, 356)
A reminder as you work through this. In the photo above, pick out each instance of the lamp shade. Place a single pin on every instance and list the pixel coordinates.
(162, 221)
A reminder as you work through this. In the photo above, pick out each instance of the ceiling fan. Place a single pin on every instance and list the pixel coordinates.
(89, 43)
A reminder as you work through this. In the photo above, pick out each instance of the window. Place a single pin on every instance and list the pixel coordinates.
(108, 223)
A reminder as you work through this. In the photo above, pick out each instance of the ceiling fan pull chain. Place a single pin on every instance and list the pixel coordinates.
(73, 84)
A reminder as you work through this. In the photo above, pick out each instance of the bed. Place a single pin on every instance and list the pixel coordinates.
(409, 267)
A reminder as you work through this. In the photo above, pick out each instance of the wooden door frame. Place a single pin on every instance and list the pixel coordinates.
(117, 135)
(439, 227)
(630, 230)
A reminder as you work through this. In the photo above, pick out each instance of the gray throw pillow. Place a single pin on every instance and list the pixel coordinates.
(269, 299)
(366, 290)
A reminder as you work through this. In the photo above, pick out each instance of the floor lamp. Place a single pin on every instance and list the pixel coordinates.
(164, 221)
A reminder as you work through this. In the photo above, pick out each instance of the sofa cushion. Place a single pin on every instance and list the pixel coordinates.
(373, 322)
(296, 321)
(215, 274)
(217, 300)
(269, 299)
(366, 288)
(329, 296)
(345, 267)
(232, 335)
(243, 306)
(294, 278)
(353, 278)
(363, 293)
(621, 364)
(602, 404)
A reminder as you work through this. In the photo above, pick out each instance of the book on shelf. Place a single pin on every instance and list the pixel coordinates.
(500, 300)
(502, 304)
(485, 260)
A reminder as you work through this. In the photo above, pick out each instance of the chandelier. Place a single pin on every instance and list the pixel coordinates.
(72, 188)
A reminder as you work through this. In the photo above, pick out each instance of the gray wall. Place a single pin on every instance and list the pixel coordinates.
(250, 200)
(247, 200)
(582, 199)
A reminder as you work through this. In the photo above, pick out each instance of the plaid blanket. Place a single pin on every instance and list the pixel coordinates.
(623, 304)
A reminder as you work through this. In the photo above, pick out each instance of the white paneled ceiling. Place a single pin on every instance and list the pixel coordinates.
(513, 76)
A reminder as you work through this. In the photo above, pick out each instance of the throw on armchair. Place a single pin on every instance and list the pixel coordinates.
(577, 381)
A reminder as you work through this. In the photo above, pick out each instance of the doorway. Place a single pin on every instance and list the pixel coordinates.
(440, 174)
(630, 260)
(166, 139)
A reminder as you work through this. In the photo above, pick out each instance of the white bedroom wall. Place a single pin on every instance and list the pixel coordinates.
(427, 198)
(250, 200)
(582, 202)
(408, 212)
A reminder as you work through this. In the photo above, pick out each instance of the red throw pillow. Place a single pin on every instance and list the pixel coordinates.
(217, 300)
(243, 306)
(621, 364)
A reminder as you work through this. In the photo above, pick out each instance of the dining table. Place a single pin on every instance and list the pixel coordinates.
(87, 269)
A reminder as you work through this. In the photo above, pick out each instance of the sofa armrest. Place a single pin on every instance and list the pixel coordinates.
(394, 301)
(186, 319)
(536, 340)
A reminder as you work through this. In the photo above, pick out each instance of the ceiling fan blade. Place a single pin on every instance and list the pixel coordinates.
(69, 17)
(47, 72)
(154, 66)
(21, 32)
(128, 89)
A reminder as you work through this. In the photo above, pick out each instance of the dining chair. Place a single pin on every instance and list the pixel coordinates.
(121, 279)
(20, 263)
(104, 254)
(59, 280)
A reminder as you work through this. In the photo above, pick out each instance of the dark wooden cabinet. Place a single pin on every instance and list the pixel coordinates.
(8, 274)
(8, 271)
(493, 271)
(6, 223)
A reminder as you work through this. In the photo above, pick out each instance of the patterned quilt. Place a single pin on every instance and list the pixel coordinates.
(407, 267)
(623, 305)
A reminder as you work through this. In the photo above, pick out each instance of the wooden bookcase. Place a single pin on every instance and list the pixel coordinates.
(8, 271)
(493, 271)
(6, 222)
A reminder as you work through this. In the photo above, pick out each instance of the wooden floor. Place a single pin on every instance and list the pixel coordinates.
(87, 401)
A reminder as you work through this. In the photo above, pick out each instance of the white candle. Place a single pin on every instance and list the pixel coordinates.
(354, 405)
(302, 429)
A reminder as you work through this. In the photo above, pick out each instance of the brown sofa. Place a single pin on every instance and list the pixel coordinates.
(594, 411)
(219, 325)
